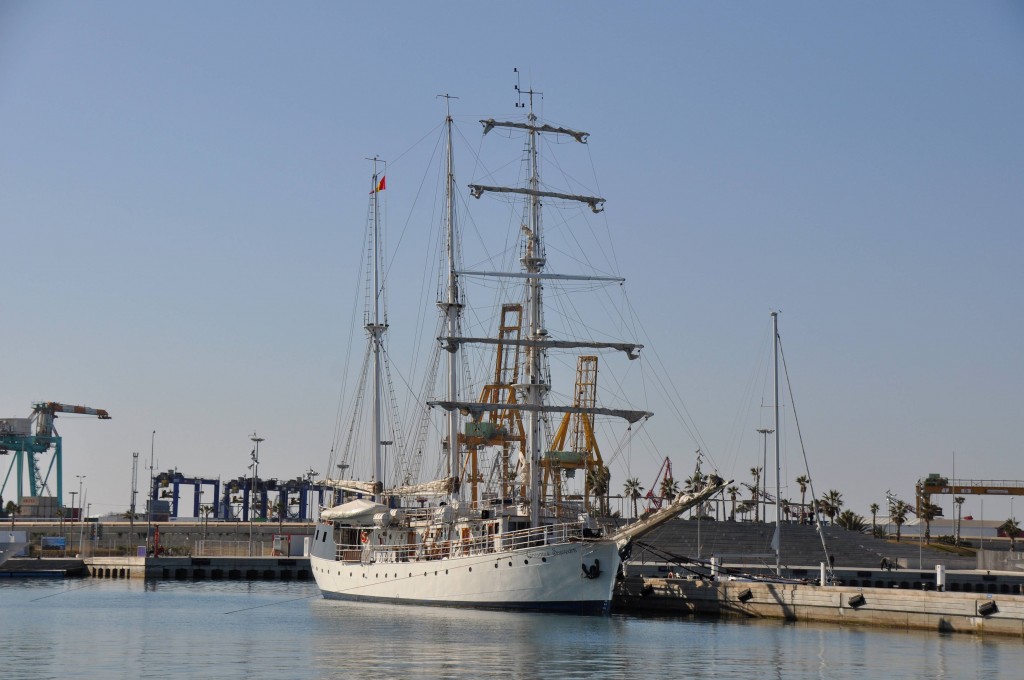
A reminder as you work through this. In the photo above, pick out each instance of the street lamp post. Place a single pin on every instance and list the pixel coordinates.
(311, 474)
(131, 506)
(81, 502)
(71, 529)
(149, 492)
(764, 431)
(255, 455)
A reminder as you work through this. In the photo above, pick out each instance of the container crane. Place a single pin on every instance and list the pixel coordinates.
(29, 438)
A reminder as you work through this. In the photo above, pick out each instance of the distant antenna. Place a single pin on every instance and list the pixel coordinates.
(448, 102)
(520, 93)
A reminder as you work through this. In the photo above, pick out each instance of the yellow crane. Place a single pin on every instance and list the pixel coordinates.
(574, 446)
(502, 427)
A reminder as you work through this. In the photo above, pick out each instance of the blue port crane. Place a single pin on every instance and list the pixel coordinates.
(33, 437)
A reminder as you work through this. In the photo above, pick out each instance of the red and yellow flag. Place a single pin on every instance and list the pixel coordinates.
(380, 185)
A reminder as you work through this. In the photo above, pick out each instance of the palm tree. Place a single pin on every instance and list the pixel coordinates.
(633, 491)
(1011, 529)
(13, 509)
(959, 502)
(599, 477)
(898, 514)
(756, 474)
(669, 488)
(928, 512)
(874, 514)
(734, 492)
(832, 503)
(205, 511)
(851, 521)
(803, 481)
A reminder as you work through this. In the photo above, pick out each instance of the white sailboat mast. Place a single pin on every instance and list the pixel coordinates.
(376, 328)
(778, 497)
(452, 310)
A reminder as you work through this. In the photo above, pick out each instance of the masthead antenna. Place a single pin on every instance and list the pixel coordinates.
(447, 103)
(519, 92)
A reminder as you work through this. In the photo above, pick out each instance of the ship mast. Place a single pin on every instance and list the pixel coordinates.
(376, 328)
(451, 307)
(778, 498)
(533, 260)
(533, 263)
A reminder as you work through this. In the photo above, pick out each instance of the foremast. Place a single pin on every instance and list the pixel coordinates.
(376, 326)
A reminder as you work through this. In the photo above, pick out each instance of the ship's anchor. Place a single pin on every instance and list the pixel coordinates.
(594, 570)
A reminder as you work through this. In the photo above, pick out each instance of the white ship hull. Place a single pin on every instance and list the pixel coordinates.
(541, 578)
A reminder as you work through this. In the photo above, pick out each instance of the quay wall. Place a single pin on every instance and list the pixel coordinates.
(958, 612)
(201, 568)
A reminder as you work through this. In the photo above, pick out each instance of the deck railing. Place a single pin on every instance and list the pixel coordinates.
(456, 546)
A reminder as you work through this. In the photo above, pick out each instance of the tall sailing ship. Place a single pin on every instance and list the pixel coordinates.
(524, 545)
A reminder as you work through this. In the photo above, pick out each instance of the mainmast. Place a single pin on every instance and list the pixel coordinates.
(533, 263)
(533, 260)
(451, 307)
(376, 327)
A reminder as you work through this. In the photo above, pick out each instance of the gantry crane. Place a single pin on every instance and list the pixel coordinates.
(34, 436)
(502, 427)
(937, 484)
(582, 451)
(653, 495)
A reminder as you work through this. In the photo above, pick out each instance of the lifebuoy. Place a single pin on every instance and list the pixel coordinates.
(363, 537)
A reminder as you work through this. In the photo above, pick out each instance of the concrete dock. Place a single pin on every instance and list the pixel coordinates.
(958, 612)
(165, 568)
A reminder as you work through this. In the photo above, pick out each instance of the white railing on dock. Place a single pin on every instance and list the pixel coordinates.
(210, 548)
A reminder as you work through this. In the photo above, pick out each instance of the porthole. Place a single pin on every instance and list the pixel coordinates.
(471, 568)
(526, 561)
(543, 559)
(495, 565)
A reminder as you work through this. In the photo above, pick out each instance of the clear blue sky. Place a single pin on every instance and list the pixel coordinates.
(183, 185)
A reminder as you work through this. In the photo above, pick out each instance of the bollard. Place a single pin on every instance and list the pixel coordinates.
(940, 577)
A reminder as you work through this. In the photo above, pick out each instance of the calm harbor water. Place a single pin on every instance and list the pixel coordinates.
(112, 629)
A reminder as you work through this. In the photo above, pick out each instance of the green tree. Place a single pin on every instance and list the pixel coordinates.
(851, 521)
(633, 491)
(874, 515)
(832, 503)
(1011, 529)
(898, 514)
(734, 492)
(669, 488)
(13, 510)
(803, 481)
(599, 477)
(928, 512)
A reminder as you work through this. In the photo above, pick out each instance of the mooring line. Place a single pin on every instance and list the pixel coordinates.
(270, 604)
(61, 592)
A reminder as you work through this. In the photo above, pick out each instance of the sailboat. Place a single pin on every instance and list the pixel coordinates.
(525, 548)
